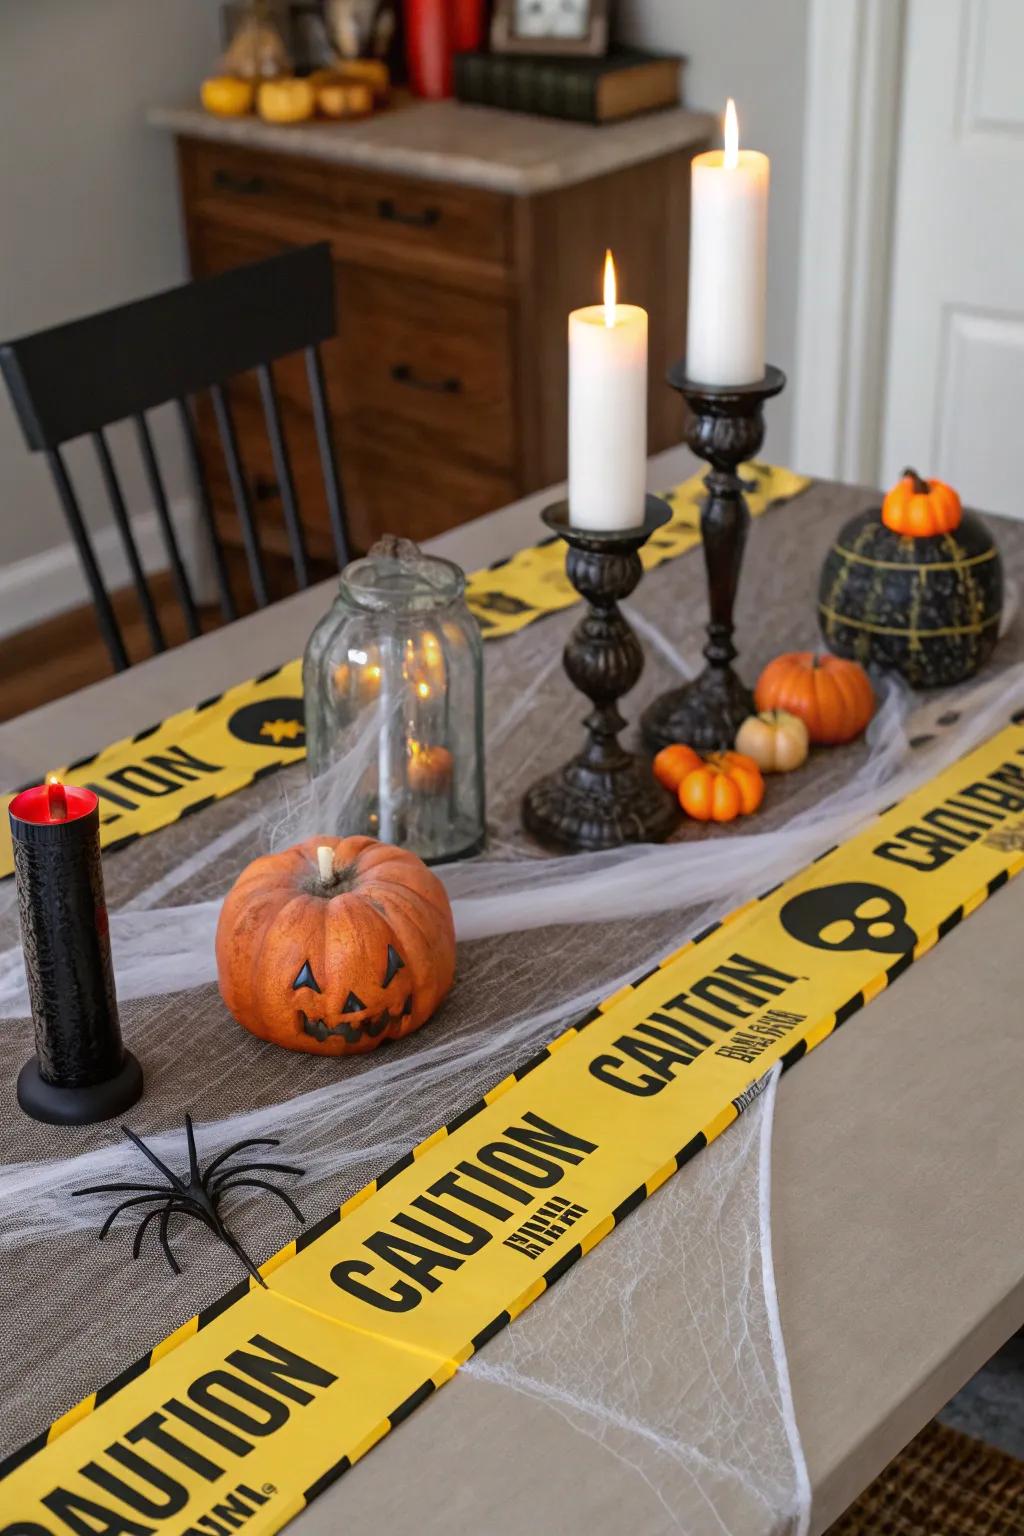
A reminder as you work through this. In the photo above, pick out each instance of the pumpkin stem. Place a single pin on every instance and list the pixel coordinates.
(325, 864)
(921, 487)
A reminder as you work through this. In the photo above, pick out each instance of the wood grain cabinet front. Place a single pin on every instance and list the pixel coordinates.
(446, 381)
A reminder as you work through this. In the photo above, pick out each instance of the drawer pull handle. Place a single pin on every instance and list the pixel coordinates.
(403, 374)
(265, 489)
(249, 186)
(425, 219)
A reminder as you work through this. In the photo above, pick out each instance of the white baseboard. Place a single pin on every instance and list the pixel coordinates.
(41, 586)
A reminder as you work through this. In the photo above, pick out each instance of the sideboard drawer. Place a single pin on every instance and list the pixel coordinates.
(224, 177)
(431, 356)
(422, 216)
(398, 215)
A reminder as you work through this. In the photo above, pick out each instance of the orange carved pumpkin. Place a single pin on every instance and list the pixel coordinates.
(921, 508)
(724, 786)
(832, 697)
(335, 945)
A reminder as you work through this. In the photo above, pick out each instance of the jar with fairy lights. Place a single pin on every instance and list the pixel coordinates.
(393, 685)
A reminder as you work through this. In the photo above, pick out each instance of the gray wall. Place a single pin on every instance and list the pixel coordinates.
(754, 51)
(90, 210)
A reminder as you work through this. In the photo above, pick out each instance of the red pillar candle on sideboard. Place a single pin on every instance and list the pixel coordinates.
(429, 40)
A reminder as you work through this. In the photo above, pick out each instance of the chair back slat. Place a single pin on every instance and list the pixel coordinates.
(109, 627)
(328, 463)
(120, 513)
(202, 494)
(283, 471)
(163, 511)
(73, 378)
(239, 490)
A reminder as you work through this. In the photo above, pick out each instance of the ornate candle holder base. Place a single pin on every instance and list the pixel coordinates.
(726, 427)
(605, 796)
(79, 1106)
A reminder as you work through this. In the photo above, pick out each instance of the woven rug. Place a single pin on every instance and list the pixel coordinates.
(943, 1484)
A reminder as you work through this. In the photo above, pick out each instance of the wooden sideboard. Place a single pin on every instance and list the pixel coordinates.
(455, 273)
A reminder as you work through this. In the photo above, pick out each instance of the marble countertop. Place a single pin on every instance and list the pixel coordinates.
(448, 141)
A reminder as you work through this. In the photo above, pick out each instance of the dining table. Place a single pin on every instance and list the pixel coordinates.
(896, 1217)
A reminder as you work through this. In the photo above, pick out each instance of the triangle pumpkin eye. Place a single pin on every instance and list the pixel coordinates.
(305, 978)
(395, 964)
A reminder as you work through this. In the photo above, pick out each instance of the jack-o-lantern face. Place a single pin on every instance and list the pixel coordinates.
(335, 946)
(359, 1020)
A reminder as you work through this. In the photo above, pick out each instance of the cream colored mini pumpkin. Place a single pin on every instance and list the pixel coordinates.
(776, 740)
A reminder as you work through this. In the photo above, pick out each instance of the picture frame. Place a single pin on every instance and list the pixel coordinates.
(508, 35)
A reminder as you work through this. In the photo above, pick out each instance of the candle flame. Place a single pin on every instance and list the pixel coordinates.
(732, 136)
(53, 778)
(609, 290)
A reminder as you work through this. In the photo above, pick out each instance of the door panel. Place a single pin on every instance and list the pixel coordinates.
(956, 331)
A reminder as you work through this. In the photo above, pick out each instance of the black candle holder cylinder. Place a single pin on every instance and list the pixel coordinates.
(725, 427)
(605, 796)
(81, 1072)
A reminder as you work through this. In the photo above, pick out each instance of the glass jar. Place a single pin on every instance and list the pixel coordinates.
(393, 685)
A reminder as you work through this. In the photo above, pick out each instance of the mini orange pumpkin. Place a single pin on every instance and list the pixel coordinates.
(921, 508)
(673, 763)
(726, 785)
(335, 945)
(833, 697)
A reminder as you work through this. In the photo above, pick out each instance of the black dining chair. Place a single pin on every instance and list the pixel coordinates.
(78, 379)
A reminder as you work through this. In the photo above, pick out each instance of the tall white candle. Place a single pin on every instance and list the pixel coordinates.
(728, 262)
(607, 412)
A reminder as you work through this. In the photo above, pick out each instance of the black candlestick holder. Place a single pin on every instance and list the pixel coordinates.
(726, 427)
(605, 796)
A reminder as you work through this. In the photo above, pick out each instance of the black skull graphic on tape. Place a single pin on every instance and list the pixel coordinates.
(854, 915)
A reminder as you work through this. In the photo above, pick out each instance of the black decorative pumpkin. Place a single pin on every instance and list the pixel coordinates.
(926, 606)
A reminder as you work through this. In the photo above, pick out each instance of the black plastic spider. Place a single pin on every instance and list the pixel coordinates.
(198, 1195)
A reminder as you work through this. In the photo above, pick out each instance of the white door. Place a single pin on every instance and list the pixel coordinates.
(954, 401)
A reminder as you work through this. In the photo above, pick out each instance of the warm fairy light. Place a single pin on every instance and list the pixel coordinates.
(609, 290)
(732, 136)
(423, 689)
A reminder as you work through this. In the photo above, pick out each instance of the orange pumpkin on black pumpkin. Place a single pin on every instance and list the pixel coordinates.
(335, 946)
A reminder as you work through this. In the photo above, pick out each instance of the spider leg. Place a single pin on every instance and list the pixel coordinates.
(136, 1200)
(193, 1156)
(148, 1152)
(165, 1223)
(140, 1232)
(255, 1141)
(227, 1173)
(115, 1189)
(263, 1184)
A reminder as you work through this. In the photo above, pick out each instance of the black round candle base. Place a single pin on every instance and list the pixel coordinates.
(79, 1106)
(705, 713)
(581, 807)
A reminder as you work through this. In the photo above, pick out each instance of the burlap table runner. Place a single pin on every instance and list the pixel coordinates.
(76, 1313)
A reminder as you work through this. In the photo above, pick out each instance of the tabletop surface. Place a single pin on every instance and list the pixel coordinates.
(897, 1224)
(448, 141)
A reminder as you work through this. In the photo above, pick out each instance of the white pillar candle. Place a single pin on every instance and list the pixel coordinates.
(728, 262)
(607, 412)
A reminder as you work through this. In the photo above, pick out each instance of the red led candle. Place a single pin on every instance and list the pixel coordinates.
(81, 1071)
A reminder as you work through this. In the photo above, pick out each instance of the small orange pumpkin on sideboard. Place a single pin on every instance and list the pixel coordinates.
(335, 945)
(833, 697)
